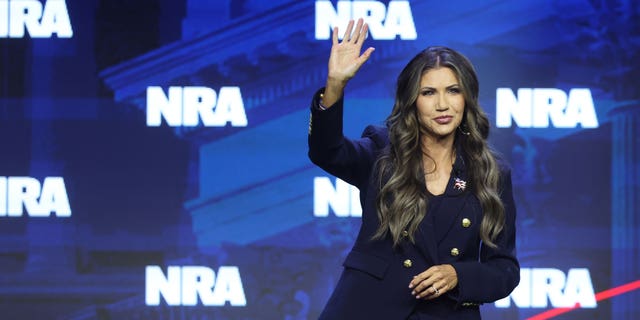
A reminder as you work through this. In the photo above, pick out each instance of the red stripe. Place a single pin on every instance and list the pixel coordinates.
(553, 313)
(610, 293)
(618, 290)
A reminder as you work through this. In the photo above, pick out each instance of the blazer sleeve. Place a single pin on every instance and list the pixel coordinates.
(347, 159)
(497, 272)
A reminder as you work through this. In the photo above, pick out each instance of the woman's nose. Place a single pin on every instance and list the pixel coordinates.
(442, 103)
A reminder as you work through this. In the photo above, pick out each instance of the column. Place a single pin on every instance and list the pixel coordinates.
(625, 208)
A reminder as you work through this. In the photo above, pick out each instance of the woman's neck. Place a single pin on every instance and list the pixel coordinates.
(440, 153)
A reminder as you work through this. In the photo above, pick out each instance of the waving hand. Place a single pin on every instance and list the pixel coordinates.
(345, 59)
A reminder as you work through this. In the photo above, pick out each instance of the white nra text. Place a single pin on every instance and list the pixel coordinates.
(187, 106)
(343, 199)
(533, 108)
(39, 21)
(183, 285)
(20, 194)
(539, 286)
(385, 21)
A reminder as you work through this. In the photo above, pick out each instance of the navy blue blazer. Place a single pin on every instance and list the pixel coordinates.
(375, 279)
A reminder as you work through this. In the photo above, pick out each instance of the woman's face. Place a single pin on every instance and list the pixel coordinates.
(440, 103)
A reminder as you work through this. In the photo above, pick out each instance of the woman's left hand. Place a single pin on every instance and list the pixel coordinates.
(434, 282)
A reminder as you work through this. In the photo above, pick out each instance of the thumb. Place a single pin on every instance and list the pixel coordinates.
(365, 56)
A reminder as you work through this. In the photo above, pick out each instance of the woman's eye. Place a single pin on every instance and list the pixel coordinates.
(454, 90)
(427, 93)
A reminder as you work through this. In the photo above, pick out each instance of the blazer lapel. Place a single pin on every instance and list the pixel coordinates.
(426, 240)
(449, 208)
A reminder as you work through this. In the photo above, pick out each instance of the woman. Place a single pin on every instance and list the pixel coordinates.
(438, 223)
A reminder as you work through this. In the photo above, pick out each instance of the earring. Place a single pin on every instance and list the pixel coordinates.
(466, 133)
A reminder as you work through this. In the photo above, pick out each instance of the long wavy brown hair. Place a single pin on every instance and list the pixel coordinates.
(402, 200)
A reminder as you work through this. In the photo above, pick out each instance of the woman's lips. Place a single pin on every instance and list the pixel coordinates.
(443, 119)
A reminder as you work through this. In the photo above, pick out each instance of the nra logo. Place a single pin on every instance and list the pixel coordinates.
(39, 21)
(386, 22)
(540, 286)
(184, 285)
(545, 107)
(191, 106)
(20, 194)
(342, 198)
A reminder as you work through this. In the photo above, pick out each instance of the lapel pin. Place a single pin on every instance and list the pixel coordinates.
(459, 184)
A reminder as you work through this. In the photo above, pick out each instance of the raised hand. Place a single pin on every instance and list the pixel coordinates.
(345, 59)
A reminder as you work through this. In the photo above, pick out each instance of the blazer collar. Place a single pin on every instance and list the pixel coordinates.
(452, 202)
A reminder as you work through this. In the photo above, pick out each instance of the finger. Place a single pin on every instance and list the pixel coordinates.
(421, 289)
(432, 293)
(416, 281)
(429, 272)
(362, 32)
(365, 32)
(428, 292)
(432, 282)
(347, 33)
(438, 290)
(334, 35)
(366, 55)
(357, 31)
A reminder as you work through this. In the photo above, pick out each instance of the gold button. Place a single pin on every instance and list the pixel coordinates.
(405, 233)
(455, 252)
(407, 263)
(466, 222)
